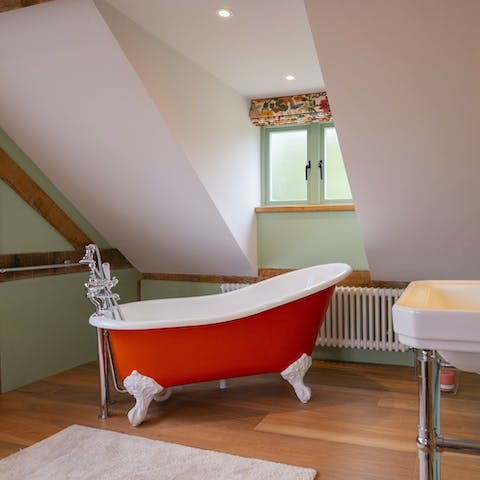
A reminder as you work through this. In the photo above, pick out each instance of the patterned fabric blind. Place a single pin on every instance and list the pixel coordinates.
(297, 109)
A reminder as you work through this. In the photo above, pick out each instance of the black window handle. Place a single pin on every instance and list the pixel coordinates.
(320, 166)
(307, 166)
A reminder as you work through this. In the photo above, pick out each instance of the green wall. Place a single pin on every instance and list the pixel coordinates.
(44, 325)
(22, 230)
(152, 289)
(302, 239)
(44, 321)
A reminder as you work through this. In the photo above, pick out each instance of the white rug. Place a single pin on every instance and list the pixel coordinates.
(83, 453)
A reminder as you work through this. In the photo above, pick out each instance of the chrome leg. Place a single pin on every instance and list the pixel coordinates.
(103, 374)
(429, 414)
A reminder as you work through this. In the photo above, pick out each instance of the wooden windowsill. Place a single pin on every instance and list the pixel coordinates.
(305, 208)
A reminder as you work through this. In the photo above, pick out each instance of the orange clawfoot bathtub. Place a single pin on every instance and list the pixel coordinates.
(267, 327)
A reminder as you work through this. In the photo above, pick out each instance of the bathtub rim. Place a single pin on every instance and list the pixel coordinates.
(336, 272)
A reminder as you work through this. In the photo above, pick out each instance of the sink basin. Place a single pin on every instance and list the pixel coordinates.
(442, 315)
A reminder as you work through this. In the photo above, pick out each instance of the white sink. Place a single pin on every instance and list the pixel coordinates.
(442, 315)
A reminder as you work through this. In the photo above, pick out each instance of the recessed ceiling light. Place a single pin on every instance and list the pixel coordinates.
(290, 77)
(224, 13)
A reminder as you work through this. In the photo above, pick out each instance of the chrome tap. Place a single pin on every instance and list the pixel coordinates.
(100, 284)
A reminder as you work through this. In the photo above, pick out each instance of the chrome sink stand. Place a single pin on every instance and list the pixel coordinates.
(430, 442)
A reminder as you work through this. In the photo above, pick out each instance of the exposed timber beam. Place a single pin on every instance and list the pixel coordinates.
(6, 5)
(114, 257)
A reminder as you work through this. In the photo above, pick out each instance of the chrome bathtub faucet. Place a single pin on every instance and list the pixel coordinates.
(100, 284)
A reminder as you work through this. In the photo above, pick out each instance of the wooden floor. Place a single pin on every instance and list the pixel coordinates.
(360, 424)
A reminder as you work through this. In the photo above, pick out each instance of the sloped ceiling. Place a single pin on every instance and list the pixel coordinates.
(207, 118)
(402, 78)
(71, 100)
(251, 52)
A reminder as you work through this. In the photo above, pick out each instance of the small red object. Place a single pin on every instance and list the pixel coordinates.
(447, 381)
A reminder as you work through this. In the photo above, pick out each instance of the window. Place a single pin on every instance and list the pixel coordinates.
(303, 164)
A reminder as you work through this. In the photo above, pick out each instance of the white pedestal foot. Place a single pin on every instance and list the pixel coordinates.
(164, 395)
(294, 374)
(144, 389)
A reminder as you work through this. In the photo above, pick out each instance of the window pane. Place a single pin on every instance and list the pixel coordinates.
(336, 181)
(288, 157)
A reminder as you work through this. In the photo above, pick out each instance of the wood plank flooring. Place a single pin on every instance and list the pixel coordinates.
(360, 424)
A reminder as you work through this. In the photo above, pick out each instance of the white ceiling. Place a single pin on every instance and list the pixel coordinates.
(251, 52)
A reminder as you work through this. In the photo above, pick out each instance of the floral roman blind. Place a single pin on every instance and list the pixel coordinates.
(297, 109)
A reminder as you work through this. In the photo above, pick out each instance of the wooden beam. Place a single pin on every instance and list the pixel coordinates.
(27, 189)
(358, 278)
(6, 5)
(186, 277)
(114, 257)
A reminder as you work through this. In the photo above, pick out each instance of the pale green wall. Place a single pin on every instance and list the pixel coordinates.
(44, 325)
(152, 289)
(302, 239)
(22, 230)
(44, 321)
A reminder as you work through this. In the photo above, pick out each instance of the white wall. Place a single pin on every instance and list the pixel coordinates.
(73, 103)
(403, 78)
(208, 119)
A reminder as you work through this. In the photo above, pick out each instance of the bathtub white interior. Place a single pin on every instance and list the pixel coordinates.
(211, 309)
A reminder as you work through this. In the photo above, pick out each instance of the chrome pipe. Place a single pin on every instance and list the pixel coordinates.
(40, 267)
(458, 445)
(103, 374)
(116, 383)
(429, 411)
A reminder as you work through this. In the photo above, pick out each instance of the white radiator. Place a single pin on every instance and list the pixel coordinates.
(230, 287)
(361, 318)
(357, 317)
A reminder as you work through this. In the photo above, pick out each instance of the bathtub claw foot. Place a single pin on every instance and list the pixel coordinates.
(294, 374)
(144, 389)
(163, 395)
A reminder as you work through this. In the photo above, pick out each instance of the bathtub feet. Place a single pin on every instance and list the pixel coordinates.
(294, 374)
(144, 389)
(165, 394)
(222, 384)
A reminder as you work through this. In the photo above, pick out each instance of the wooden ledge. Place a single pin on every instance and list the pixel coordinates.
(186, 277)
(114, 257)
(358, 278)
(305, 208)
